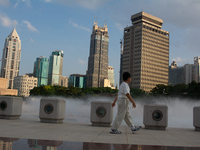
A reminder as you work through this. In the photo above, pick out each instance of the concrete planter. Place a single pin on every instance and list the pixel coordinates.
(10, 107)
(52, 110)
(155, 117)
(101, 113)
(196, 118)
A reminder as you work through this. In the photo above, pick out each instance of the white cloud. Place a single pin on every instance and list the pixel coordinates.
(81, 61)
(88, 4)
(16, 4)
(32, 41)
(28, 2)
(30, 27)
(119, 26)
(5, 21)
(48, 1)
(78, 26)
(178, 60)
(4, 2)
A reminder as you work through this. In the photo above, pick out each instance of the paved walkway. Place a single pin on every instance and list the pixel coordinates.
(83, 132)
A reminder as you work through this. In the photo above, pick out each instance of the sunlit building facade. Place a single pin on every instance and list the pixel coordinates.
(11, 58)
(24, 84)
(55, 67)
(98, 58)
(146, 52)
(64, 81)
(41, 67)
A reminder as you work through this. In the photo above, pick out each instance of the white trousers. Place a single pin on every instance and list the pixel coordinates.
(122, 114)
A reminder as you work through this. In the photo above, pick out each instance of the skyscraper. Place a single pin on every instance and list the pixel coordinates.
(11, 58)
(98, 58)
(41, 67)
(146, 51)
(55, 67)
(183, 74)
(196, 69)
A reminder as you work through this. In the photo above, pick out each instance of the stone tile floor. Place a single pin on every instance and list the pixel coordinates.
(85, 134)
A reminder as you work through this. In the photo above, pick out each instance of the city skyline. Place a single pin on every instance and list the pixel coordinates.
(43, 30)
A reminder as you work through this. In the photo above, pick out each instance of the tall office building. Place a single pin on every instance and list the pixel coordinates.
(146, 51)
(180, 75)
(11, 58)
(196, 69)
(111, 76)
(176, 74)
(98, 58)
(41, 67)
(55, 67)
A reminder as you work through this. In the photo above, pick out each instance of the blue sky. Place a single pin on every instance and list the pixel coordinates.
(48, 25)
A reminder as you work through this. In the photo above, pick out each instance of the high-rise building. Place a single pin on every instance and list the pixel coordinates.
(196, 69)
(98, 58)
(11, 58)
(55, 67)
(146, 51)
(111, 76)
(176, 74)
(64, 81)
(180, 75)
(77, 80)
(188, 73)
(41, 67)
(24, 84)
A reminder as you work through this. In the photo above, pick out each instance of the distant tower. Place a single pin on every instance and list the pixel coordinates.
(121, 61)
(55, 68)
(196, 69)
(41, 67)
(98, 58)
(11, 58)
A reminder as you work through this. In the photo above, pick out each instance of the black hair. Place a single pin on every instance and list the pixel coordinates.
(126, 75)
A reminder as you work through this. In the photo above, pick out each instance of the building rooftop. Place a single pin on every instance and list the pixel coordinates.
(145, 17)
(14, 34)
(78, 133)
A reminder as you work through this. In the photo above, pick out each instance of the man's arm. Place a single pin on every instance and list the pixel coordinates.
(113, 104)
(131, 99)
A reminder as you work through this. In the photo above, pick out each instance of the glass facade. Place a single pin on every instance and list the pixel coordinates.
(77, 81)
(41, 67)
(55, 68)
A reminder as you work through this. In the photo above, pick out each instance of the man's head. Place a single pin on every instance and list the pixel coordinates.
(127, 77)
